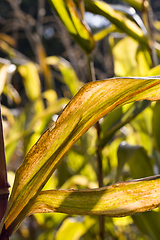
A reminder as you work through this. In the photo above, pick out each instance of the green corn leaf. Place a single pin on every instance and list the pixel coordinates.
(93, 101)
(138, 4)
(104, 32)
(72, 229)
(142, 125)
(117, 119)
(29, 72)
(66, 11)
(155, 125)
(124, 24)
(148, 223)
(141, 165)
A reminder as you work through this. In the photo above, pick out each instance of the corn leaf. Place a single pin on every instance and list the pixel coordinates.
(118, 200)
(138, 4)
(141, 165)
(148, 223)
(32, 84)
(66, 11)
(118, 118)
(3, 76)
(104, 32)
(69, 75)
(93, 101)
(124, 24)
(155, 125)
(74, 228)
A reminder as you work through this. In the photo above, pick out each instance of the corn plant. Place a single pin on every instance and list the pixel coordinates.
(117, 101)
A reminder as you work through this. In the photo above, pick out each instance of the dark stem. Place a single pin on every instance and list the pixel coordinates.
(100, 178)
(98, 150)
(147, 16)
(99, 156)
(152, 39)
(4, 185)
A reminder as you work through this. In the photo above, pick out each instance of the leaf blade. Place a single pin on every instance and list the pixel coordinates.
(92, 102)
(121, 22)
(118, 200)
(80, 32)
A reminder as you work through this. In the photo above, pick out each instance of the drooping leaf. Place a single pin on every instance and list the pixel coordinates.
(120, 199)
(121, 22)
(141, 165)
(125, 152)
(92, 102)
(66, 11)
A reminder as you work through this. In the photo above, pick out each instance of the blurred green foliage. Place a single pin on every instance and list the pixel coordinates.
(129, 136)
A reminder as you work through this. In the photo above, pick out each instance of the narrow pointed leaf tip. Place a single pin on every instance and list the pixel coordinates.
(93, 101)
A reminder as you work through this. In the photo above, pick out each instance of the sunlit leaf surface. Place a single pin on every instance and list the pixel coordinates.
(66, 11)
(30, 75)
(117, 200)
(92, 102)
(121, 22)
(138, 4)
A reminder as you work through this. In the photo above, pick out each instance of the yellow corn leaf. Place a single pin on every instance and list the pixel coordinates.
(67, 71)
(66, 11)
(92, 102)
(3, 76)
(32, 84)
(118, 200)
(119, 20)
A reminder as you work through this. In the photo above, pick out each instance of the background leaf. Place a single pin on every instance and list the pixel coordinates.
(74, 228)
(66, 10)
(141, 165)
(121, 22)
